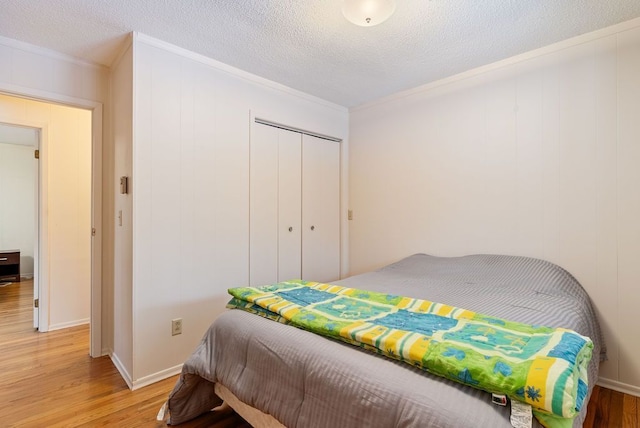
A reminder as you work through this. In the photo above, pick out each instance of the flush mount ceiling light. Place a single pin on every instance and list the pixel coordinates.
(368, 13)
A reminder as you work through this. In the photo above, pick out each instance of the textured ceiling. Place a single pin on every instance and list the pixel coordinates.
(308, 45)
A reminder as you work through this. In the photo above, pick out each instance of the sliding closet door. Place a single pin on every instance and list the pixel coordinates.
(289, 205)
(320, 209)
(263, 206)
(294, 207)
(275, 206)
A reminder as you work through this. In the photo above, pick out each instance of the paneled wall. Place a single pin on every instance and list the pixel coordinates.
(122, 295)
(190, 212)
(536, 156)
(26, 67)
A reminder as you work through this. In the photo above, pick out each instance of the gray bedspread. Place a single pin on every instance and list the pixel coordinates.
(305, 380)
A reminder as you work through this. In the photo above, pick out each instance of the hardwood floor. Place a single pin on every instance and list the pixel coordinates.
(48, 379)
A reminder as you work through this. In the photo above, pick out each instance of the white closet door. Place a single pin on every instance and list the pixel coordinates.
(263, 206)
(320, 209)
(289, 205)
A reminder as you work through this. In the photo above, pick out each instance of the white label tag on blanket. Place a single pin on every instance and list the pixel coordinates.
(162, 413)
(521, 415)
(499, 399)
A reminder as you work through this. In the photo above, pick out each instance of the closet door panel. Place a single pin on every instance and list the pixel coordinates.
(289, 205)
(320, 209)
(263, 211)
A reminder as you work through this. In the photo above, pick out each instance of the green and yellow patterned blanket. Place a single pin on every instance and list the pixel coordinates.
(544, 367)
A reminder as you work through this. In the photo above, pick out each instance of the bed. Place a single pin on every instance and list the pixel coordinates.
(311, 381)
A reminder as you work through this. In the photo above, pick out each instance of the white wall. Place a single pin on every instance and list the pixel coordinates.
(535, 156)
(17, 202)
(122, 114)
(26, 68)
(191, 191)
(66, 169)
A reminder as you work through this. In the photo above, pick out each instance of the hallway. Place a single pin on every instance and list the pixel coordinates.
(16, 316)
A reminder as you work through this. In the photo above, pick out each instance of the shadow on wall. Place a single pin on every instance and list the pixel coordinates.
(26, 265)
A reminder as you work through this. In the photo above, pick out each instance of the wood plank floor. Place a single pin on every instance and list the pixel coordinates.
(49, 380)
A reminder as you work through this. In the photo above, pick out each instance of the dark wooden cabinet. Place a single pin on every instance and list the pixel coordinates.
(10, 265)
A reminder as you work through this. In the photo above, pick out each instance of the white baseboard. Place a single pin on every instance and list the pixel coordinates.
(120, 367)
(156, 377)
(147, 380)
(619, 386)
(68, 324)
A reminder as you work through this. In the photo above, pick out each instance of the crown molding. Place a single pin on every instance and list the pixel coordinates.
(250, 77)
(38, 50)
(555, 47)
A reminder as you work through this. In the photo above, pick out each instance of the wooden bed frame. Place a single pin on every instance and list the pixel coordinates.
(255, 417)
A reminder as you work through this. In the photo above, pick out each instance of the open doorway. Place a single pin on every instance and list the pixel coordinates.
(18, 227)
(62, 208)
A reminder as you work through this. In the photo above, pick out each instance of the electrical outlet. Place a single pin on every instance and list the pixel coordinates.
(176, 326)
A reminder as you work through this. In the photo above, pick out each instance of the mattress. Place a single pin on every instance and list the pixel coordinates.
(304, 380)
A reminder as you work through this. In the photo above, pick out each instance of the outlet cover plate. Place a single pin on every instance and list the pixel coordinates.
(176, 326)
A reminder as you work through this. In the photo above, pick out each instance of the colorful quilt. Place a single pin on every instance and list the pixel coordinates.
(544, 367)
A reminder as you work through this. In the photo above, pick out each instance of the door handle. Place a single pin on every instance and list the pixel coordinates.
(290, 229)
(313, 228)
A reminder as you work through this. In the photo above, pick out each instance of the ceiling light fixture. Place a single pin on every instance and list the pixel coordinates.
(368, 13)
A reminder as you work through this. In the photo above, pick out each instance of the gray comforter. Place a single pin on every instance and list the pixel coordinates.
(305, 380)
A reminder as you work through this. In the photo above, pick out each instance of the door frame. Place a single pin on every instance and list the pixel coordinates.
(38, 227)
(96, 108)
